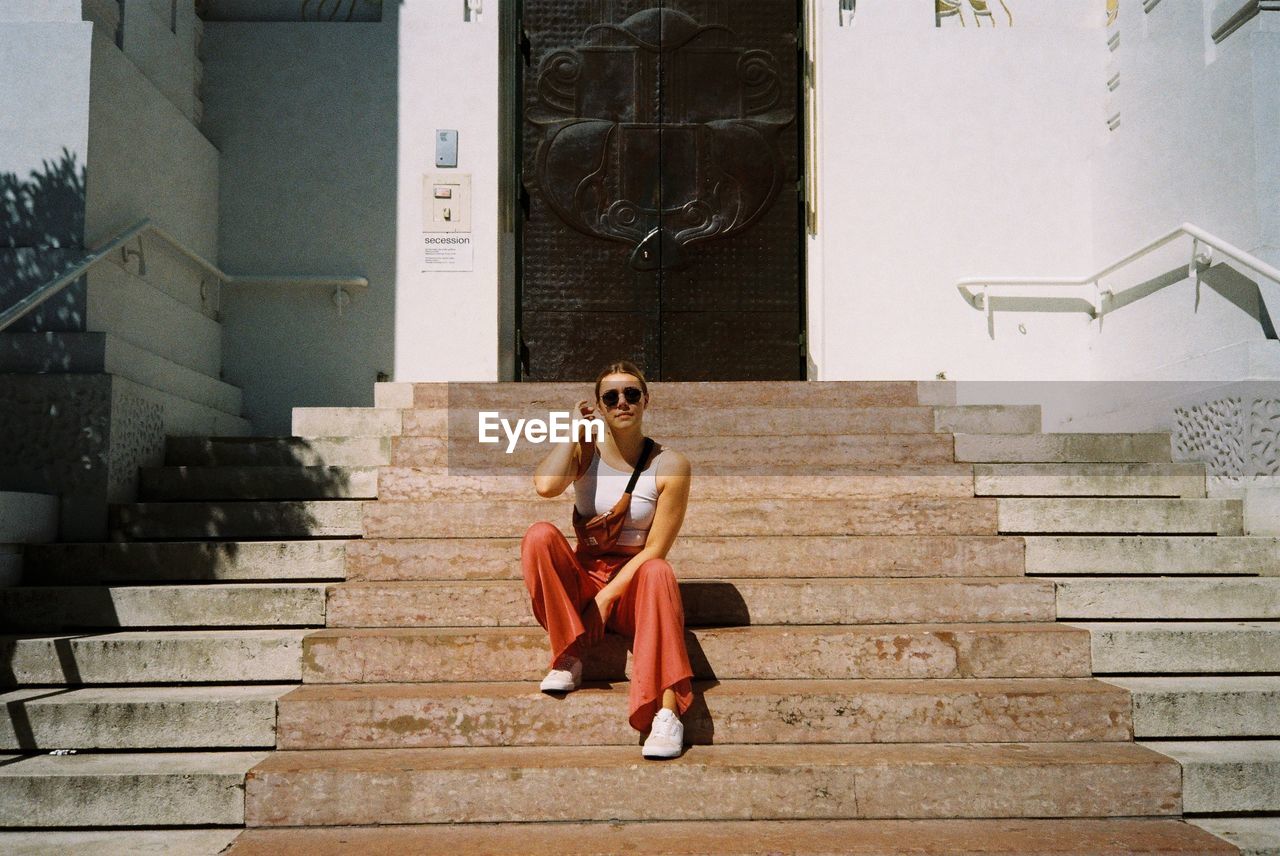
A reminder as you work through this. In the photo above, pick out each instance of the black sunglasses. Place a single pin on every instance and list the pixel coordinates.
(610, 396)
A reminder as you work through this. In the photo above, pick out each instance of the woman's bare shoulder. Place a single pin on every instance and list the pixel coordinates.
(672, 462)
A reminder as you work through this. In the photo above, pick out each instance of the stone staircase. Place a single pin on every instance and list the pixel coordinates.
(871, 594)
(158, 658)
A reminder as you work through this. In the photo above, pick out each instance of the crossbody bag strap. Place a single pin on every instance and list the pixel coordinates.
(644, 458)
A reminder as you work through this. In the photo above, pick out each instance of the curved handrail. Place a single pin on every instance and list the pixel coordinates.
(55, 286)
(981, 300)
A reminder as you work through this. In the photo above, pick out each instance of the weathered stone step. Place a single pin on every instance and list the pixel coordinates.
(748, 516)
(277, 451)
(221, 717)
(1168, 597)
(765, 652)
(1192, 516)
(939, 481)
(1204, 705)
(826, 837)
(748, 420)
(1171, 479)
(560, 783)
(175, 561)
(156, 521)
(1063, 448)
(144, 789)
(134, 842)
(1226, 775)
(1176, 647)
(710, 556)
(1152, 554)
(1254, 836)
(781, 711)
(33, 608)
(155, 656)
(561, 395)
(346, 421)
(723, 455)
(177, 484)
(505, 603)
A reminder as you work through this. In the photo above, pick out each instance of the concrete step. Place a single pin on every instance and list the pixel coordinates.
(28, 518)
(1172, 479)
(144, 789)
(1226, 775)
(1063, 448)
(560, 395)
(800, 455)
(726, 517)
(762, 652)
(104, 353)
(953, 837)
(566, 783)
(939, 481)
(765, 712)
(185, 561)
(10, 564)
(156, 312)
(1254, 836)
(711, 556)
(1152, 554)
(178, 484)
(32, 608)
(712, 422)
(193, 717)
(505, 603)
(174, 521)
(346, 421)
(1160, 516)
(1168, 597)
(183, 416)
(277, 451)
(140, 842)
(1179, 647)
(153, 657)
(1204, 706)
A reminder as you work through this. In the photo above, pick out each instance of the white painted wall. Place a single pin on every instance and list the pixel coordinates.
(162, 46)
(951, 152)
(146, 158)
(1197, 143)
(305, 118)
(447, 323)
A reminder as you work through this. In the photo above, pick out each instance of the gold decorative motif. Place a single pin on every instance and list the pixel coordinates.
(1113, 11)
(980, 9)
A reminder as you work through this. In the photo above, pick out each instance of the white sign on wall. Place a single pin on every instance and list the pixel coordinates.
(447, 252)
(446, 222)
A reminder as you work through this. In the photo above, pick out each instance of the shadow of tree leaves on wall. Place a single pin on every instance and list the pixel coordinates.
(42, 221)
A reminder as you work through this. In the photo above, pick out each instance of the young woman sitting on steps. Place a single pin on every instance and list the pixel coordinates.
(631, 588)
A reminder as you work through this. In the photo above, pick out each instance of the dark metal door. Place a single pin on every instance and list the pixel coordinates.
(661, 165)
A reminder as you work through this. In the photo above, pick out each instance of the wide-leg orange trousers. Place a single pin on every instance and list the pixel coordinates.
(560, 584)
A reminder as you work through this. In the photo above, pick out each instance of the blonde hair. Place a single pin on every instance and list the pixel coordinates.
(622, 367)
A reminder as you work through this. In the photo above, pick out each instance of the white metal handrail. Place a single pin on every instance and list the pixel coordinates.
(55, 286)
(976, 291)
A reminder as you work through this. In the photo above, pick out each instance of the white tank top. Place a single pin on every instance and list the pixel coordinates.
(600, 487)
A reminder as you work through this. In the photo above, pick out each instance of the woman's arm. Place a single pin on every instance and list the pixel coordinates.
(674, 477)
(559, 468)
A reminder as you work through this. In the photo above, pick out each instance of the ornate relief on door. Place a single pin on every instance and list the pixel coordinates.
(660, 131)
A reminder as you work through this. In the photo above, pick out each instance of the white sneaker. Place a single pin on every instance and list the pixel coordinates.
(565, 676)
(666, 737)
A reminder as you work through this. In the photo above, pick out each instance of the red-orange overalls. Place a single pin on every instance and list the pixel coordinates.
(560, 584)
